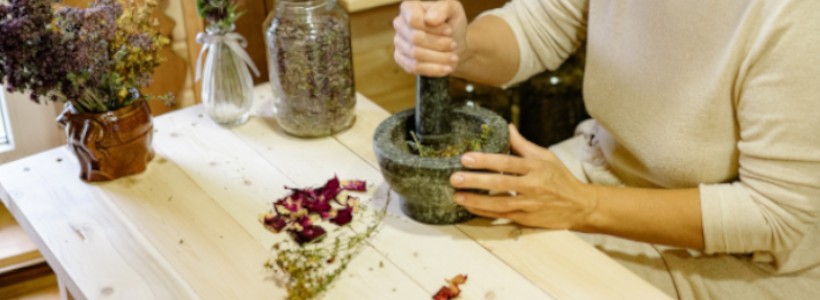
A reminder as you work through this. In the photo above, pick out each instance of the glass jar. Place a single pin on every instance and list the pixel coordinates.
(311, 68)
(227, 86)
(552, 103)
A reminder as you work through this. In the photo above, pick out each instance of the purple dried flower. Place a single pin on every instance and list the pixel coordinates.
(141, 41)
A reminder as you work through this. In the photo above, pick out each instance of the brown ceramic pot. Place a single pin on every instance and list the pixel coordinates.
(110, 145)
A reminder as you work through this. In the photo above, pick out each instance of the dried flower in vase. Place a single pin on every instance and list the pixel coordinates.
(97, 58)
(219, 13)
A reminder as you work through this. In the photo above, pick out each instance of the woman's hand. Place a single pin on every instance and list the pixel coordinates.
(546, 194)
(431, 37)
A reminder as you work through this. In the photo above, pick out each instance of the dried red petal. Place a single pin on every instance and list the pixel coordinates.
(275, 223)
(307, 234)
(451, 290)
(354, 185)
(299, 195)
(459, 279)
(317, 205)
(329, 190)
(443, 294)
(343, 216)
(297, 213)
(290, 203)
(328, 214)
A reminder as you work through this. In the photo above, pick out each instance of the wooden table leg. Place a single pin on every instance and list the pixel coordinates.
(65, 294)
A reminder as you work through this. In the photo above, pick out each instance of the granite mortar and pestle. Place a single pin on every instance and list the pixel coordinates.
(424, 182)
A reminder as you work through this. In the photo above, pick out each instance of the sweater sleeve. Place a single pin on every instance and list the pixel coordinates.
(547, 32)
(772, 210)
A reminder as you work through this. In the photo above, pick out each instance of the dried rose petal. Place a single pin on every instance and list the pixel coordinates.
(354, 185)
(317, 205)
(274, 223)
(307, 234)
(443, 294)
(289, 203)
(343, 216)
(329, 190)
(329, 214)
(307, 221)
(451, 290)
(298, 212)
(300, 195)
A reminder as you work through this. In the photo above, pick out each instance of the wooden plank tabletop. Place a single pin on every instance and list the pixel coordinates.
(187, 228)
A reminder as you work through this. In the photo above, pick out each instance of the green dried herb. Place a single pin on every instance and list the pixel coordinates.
(452, 150)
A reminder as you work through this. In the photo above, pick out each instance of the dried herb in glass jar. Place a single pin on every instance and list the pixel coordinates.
(311, 68)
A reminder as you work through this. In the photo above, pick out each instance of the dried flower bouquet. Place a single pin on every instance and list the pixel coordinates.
(97, 58)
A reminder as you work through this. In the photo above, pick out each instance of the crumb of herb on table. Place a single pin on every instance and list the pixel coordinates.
(451, 290)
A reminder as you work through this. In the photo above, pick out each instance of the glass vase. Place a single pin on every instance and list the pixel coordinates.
(227, 86)
(310, 65)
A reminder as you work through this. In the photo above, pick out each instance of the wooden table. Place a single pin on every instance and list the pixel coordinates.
(187, 228)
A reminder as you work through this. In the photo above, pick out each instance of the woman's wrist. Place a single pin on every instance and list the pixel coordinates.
(465, 57)
(591, 219)
(490, 54)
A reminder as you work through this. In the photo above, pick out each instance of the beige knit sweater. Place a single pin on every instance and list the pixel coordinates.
(724, 95)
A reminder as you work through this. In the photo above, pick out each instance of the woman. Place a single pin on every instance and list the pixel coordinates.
(704, 139)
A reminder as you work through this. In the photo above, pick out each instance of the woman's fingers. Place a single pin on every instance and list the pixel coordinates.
(424, 54)
(521, 146)
(430, 36)
(413, 66)
(484, 213)
(485, 181)
(425, 37)
(496, 162)
(412, 14)
(495, 204)
(440, 12)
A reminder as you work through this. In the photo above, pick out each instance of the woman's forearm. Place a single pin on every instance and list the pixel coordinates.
(491, 56)
(669, 217)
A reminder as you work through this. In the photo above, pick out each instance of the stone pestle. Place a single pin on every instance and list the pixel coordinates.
(433, 109)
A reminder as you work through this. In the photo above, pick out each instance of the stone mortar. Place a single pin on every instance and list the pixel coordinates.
(424, 182)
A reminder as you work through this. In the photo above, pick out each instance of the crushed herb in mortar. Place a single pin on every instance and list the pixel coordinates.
(451, 150)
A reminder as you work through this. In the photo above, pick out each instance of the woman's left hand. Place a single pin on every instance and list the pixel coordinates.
(545, 194)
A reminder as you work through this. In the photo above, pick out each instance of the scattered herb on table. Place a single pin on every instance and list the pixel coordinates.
(451, 150)
(451, 290)
(315, 257)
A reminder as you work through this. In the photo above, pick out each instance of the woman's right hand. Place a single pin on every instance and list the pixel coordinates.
(431, 37)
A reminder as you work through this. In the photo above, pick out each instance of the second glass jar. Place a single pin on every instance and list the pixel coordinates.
(311, 68)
